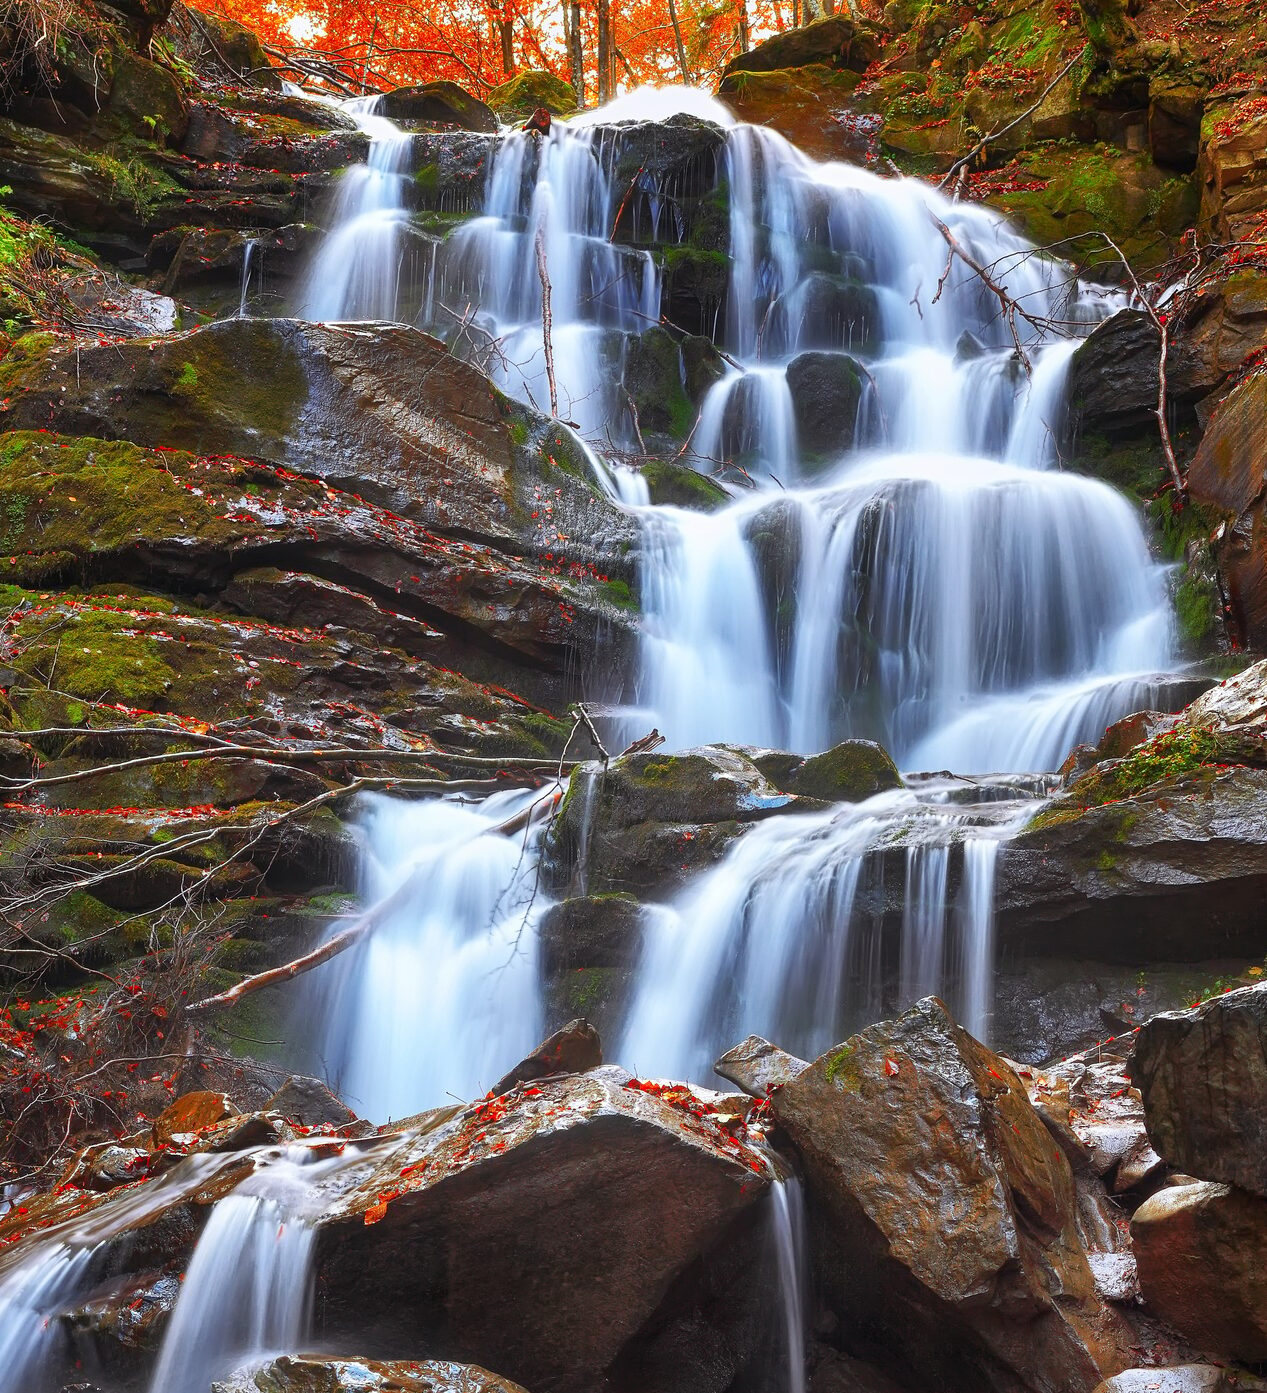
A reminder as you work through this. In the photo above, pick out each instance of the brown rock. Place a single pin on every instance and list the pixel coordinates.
(310, 1103)
(537, 1232)
(572, 1049)
(191, 1113)
(1200, 1254)
(1203, 1077)
(947, 1211)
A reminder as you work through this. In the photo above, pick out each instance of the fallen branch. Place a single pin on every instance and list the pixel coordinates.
(1009, 306)
(547, 320)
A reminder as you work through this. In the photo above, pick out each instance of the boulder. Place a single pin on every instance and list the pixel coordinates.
(147, 100)
(757, 1066)
(944, 1212)
(1234, 705)
(1203, 1077)
(654, 381)
(644, 820)
(849, 772)
(1199, 1248)
(826, 391)
(1173, 873)
(194, 1112)
(439, 104)
(836, 41)
(1112, 383)
(313, 1373)
(310, 1103)
(572, 1049)
(532, 91)
(590, 931)
(542, 1228)
(811, 106)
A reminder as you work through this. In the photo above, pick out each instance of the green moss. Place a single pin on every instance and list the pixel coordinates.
(842, 1069)
(619, 593)
(682, 486)
(588, 989)
(517, 99)
(519, 433)
(1196, 604)
(188, 377)
(427, 182)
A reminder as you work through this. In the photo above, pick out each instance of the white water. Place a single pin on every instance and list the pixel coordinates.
(788, 1208)
(786, 937)
(442, 999)
(248, 1288)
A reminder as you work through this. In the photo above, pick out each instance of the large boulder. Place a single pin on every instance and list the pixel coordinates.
(945, 1212)
(811, 106)
(314, 1373)
(826, 391)
(836, 41)
(1199, 1248)
(525, 93)
(537, 1232)
(439, 104)
(1203, 1077)
(1112, 384)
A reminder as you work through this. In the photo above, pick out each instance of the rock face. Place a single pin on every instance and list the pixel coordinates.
(1203, 1077)
(519, 1228)
(1227, 473)
(306, 1373)
(1199, 1249)
(946, 1211)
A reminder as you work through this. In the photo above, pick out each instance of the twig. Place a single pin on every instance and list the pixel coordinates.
(547, 320)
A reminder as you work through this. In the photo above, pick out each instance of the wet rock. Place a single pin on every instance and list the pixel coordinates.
(1178, 1378)
(646, 819)
(653, 378)
(572, 1049)
(1227, 472)
(1233, 167)
(590, 931)
(1199, 1249)
(1175, 873)
(826, 390)
(682, 487)
(1112, 385)
(757, 1066)
(849, 772)
(609, 1191)
(310, 1103)
(837, 41)
(312, 1373)
(147, 99)
(946, 1210)
(439, 104)
(1118, 740)
(811, 106)
(1203, 1077)
(531, 91)
(1237, 704)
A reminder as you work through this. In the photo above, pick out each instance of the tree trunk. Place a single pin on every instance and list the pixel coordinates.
(681, 47)
(506, 29)
(743, 36)
(605, 66)
(576, 53)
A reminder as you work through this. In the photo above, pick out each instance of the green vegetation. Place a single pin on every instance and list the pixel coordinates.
(842, 1068)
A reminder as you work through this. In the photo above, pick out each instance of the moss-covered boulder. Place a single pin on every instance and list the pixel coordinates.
(837, 41)
(439, 104)
(147, 100)
(826, 390)
(653, 379)
(848, 772)
(682, 487)
(811, 106)
(525, 93)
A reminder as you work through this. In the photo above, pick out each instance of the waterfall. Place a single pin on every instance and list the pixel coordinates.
(443, 998)
(786, 936)
(247, 1291)
(788, 1207)
(356, 272)
(248, 252)
(907, 561)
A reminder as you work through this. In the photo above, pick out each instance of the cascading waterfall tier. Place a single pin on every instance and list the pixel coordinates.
(902, 560)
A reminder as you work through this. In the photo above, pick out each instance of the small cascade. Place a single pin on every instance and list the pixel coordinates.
(548, 213)
(437, 1002)
(247, 1290)
(792, 935)
(248, 252)
(43, 1281)
(356, 272)
(788, 1208)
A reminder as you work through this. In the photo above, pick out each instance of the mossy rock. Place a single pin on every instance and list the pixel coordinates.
(810, 106)
(836, 41)
(517, 99)
(147, 100)
(439, 104)
(653, 377)
(849, 772)
(682, 486)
